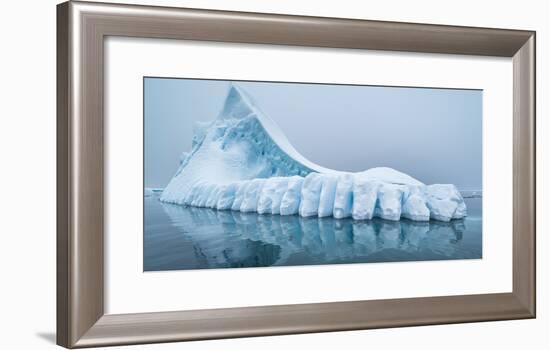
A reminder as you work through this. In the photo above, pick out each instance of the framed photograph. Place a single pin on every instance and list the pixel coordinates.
(226, 188)
(225, 174)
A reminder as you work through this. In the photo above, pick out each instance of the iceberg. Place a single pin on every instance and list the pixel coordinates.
(242, 161)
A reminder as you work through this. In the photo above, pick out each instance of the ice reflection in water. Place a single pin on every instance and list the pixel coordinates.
(195, 238)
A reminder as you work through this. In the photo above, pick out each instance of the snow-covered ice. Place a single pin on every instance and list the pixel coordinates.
(242, 161)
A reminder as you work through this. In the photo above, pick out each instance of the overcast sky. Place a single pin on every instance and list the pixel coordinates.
(434, 135)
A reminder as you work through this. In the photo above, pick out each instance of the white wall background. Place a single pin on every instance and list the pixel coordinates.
(27, 155)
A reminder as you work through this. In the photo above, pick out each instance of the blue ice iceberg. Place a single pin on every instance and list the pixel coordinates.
(242, 161)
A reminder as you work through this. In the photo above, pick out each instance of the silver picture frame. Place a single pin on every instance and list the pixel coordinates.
(81, 30)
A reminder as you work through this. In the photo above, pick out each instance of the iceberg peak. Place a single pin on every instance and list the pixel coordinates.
(238, 104)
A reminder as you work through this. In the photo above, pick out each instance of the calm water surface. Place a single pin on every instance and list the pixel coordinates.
(180, 238)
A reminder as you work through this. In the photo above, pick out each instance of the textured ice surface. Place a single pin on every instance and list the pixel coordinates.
(343, 200)
(327, 195)
(445, 202)
(365, 194)
(311, 191)
(290, 203)
(242, 161)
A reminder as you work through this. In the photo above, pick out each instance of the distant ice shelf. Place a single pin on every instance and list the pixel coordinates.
(243, 161)
(471, 193)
